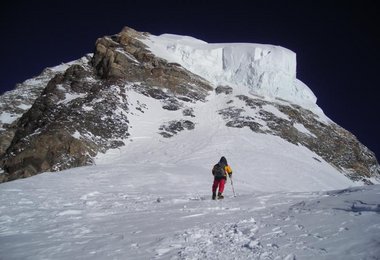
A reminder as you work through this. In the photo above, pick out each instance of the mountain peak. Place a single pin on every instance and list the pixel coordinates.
(156, 96)
(261, 69)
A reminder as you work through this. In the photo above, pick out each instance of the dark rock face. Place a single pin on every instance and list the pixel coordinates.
(223, 89)
(15, 103)
(124, 56)
(188, 112)
(330, 141)
(70, 122)
(175, 126)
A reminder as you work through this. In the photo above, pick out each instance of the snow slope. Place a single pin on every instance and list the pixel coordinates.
(264, 162)
(129, 212)
(151, 198)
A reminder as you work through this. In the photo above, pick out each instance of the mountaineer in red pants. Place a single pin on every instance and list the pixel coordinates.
(220, 171)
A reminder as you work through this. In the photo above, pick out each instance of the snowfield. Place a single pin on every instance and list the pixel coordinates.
(151, 199)
(150, 212)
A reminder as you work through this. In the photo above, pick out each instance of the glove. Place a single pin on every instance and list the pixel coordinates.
(230, 175)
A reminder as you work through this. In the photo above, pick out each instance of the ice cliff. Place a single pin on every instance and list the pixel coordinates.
(262, 69)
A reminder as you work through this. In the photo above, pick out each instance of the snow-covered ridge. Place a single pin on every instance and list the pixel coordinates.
(17, 101)
(263, 69)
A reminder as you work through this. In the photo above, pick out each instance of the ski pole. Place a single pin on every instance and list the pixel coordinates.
(232, 184)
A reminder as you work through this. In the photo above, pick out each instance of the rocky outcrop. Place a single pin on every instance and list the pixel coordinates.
(83, 110)
(73, 119)
(300, 126)
(124, 56)
(13, 104)
(173, 127)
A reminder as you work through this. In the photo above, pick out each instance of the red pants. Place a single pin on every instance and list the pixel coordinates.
(220, 183)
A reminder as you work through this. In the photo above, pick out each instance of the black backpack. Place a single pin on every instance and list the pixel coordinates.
(218, 170)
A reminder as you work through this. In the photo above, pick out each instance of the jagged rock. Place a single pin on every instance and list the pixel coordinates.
(223, 89)
(72, 120)
(6, 139)
(124, 56)
(188, 112)
(169, 102)
(330, 141)
(172, 104)
(15, 103)
(175, 126)
(48, 152)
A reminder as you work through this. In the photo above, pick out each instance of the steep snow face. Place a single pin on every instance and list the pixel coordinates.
(262, 69)
(260, 162)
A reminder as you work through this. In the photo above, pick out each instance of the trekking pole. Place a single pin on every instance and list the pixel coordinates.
(232, 184)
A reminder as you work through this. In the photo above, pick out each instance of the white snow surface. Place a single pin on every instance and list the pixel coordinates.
(152, 199)
(264, 69)
(7, 118)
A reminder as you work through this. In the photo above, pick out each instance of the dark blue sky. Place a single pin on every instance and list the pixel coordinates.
(337, 43)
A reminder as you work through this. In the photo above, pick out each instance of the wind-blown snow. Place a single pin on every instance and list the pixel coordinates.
(263, 69)
(152, 199)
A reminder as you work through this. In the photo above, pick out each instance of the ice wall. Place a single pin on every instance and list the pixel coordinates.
(263, 69)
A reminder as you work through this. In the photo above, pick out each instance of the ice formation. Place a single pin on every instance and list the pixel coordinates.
(262, 69)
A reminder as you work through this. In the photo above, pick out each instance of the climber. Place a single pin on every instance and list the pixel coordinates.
(220, 171)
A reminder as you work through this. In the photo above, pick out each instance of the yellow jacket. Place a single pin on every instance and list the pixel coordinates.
(228, 170)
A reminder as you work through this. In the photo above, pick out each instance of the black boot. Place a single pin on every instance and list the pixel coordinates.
(214, 195)
(220, 196)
